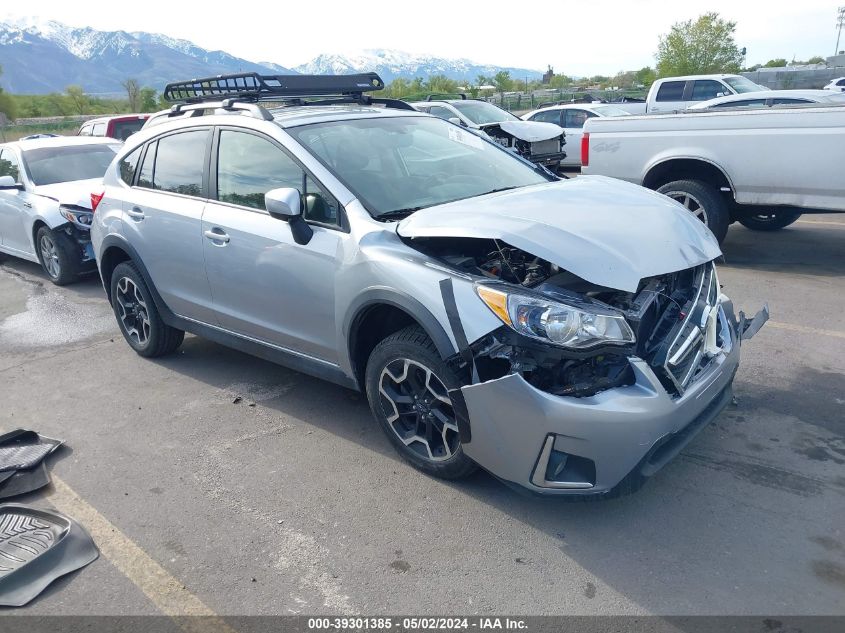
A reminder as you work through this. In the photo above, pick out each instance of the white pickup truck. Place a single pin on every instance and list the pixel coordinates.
(762, 168)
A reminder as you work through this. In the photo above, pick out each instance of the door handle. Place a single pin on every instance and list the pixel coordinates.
(27, 205)
(136, 213)
(217, 235)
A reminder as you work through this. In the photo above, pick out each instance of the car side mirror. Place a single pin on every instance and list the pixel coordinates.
(285, 204)
(7, 182)
(456, 121)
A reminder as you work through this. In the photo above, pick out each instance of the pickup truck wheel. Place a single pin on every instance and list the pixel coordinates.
(773, 221)
(408, 390)
(704, 201)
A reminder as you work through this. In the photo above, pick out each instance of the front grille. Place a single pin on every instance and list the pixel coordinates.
(671, 321)
(551, 146)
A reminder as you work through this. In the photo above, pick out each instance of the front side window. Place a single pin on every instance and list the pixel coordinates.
(248, 166)
(179, 160)
(9, 165)
(481, 112)
(397, 165)
(548, 116)
(49, 165)
(704, 89)
(440, 111)
(577, 118)
(788, 100)
(671, 91)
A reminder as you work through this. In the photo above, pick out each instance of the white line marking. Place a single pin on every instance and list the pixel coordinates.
(804, 329)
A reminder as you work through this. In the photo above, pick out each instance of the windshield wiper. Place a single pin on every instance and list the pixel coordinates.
(397, 214)
(498, 190)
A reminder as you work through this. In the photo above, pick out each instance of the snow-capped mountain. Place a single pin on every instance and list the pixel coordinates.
(390, 64)
(41, 56)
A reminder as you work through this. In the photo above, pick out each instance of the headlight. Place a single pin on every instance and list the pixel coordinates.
(80, 218)
(555, 322)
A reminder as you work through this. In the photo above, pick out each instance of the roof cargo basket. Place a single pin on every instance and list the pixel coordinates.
(254, 87)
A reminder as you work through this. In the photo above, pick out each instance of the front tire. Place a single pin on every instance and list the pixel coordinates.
(60, 257)
(137, 315)
(407, 386)
(702, 200)
(773, 221)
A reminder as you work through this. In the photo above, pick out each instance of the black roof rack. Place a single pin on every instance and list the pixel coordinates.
(254, 87)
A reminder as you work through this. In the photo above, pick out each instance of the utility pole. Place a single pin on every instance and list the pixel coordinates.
(840, 23)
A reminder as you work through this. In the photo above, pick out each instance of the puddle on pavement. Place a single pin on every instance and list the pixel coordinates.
(33, 316)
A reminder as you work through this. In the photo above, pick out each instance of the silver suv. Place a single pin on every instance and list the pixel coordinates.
(494, 315)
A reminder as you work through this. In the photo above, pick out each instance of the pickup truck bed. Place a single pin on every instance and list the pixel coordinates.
(763, 168)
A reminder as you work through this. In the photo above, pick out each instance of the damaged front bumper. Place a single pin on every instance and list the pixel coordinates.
(564, 445)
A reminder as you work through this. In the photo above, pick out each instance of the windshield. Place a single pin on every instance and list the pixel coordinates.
(481, 112)
(49, 165)
(742, 85)
(397, 165)
(610, 110)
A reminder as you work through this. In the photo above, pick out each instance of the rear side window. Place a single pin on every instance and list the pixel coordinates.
(671, 91)
(549, 116)
(122, 130)
(175, 163)
(128, 166)
(704, 89)
(86, 130)
(841, 82)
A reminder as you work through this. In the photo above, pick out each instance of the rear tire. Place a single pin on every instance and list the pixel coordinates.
(60, 256)
(773, 221)
(703, 200)
(407, 386)
(137, 315)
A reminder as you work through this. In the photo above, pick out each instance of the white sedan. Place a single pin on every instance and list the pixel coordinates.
(837, 85)
(571, 117)
(46, 209)
(770, 98)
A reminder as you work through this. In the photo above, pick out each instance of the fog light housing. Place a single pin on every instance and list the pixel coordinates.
(557, 469)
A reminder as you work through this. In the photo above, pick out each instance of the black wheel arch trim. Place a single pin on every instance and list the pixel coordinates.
(406, 303)
(670, 159)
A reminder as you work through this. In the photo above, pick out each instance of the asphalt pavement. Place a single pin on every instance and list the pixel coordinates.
(218, 483)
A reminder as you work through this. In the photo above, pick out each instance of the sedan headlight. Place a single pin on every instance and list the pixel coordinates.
(555, 322)
(78, 217)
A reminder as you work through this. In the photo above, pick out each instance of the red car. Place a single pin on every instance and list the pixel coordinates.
(119, 127)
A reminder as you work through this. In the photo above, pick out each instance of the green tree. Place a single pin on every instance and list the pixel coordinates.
(704, 45)
(78, 99)
(441, 84)
(645, 76)
(149, 102)
(816, 59)
(502, 80)
(133, 93)
(779, 62)
(7, 104)
(398, 88)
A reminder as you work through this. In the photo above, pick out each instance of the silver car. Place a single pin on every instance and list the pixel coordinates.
(494, 315)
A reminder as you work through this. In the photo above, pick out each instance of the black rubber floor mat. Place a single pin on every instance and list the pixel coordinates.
(23, 481)
(37, 547)
(22, 449)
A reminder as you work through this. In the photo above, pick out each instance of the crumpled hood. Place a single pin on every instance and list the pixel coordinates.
(76, 192)
(606, 231)
(531, 131)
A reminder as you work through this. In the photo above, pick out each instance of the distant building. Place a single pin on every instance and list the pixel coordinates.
(547, 76)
